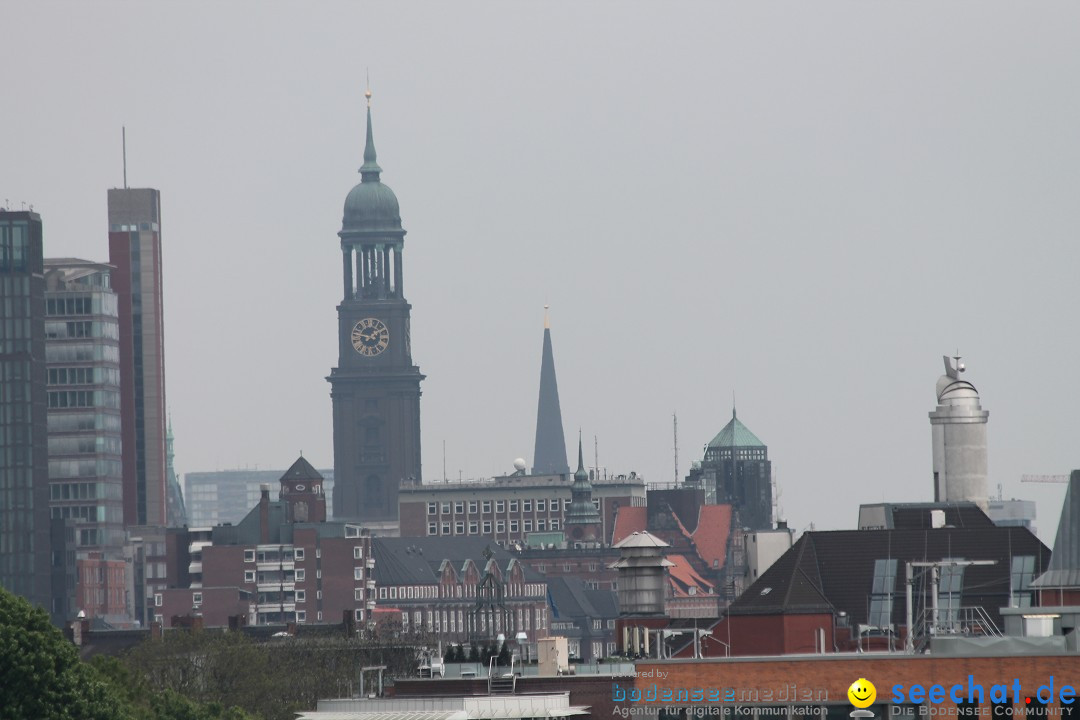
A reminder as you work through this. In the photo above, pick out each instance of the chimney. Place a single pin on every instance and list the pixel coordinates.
(264, 514)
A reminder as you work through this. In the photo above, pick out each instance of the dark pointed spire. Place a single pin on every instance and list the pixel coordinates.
(581, 475)
(549, 453)
(369, 171)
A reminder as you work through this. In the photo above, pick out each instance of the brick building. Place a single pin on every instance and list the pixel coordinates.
(460, 588)
(282, 563)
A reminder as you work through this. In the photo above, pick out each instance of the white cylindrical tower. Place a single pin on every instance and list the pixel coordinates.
(958, 426)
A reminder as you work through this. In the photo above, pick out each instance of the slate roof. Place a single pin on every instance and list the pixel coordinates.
(917, 516)
(682, 576)
(735, 434)
(416, 561)
(302, 470)
(574, 599)
(1064, 568)
(827, 571)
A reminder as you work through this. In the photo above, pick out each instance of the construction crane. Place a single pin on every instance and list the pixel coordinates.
(1044, 478)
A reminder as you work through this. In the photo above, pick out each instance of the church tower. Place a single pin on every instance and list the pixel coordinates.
(549, 452)
(375, 388)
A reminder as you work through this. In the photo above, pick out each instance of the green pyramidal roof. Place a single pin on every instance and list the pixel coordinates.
(735, 434)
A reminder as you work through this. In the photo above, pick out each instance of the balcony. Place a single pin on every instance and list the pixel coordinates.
(195, 567)
(370, 584)
(370, 604)
(371, 563)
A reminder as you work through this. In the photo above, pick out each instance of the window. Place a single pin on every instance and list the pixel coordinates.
(1023, 572)
(359, 615)
(382, 593)
(318, 552)
(500, 526)
(446, 508)
(358, 553)
(487, 506)
(541, 525)
(474, 528)
(301, 596)
(949, 590)
(459, 508)
(446, 528)
(513, 526)
(881, 594)
(196, 598)
(432, 508)
(472, 507)
(249, 556)
(301, 575)
(318, 594)
(358, 594)
(595, 502)
(566, 567)
(526, 506)
(554, 525)
(567, 501)
(393, 593)
(299, 553)
(249, 576)
(358, 573)
(487, 527)
(433, 528)
(513, 506)
(541, 505)
(500, 506)
(301, 616)
(459, 528)
(528, 526)
(157, 599)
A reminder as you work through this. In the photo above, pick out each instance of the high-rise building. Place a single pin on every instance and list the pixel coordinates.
(82, 351)
(25, 554)
(549, 452)
(958, 428)
(375, 388)
(736, 471)
(135, 252)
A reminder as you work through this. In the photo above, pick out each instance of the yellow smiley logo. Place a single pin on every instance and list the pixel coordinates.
(862, 693)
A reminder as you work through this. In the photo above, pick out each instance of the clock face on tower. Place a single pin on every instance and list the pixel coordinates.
(370, 337)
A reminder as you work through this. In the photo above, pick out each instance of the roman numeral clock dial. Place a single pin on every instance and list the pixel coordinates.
(370, 337)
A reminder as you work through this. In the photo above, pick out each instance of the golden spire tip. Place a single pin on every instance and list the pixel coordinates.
(547, 322)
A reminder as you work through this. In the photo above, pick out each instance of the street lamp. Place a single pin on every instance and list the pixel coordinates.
(933, 566)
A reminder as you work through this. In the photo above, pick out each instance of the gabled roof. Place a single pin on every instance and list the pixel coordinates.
(1064, 568)
(629, 520)
(574, 599)
(301, 470)
(826, 571)
(735, 434)
(682, 576)
(642, 539)
(419, 560)
(712, 533)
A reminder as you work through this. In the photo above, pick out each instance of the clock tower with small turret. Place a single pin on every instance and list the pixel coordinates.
(375, 388)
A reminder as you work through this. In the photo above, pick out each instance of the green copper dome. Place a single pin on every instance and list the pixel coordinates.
(371, 205)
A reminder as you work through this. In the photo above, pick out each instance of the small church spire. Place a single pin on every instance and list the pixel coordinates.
(580, 459)
(369, 171)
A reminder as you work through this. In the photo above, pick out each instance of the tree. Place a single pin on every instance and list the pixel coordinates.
(43, 676)
(474, 653)
(504, 654)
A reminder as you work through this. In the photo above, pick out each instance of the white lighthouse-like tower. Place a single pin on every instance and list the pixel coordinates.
(958, 426)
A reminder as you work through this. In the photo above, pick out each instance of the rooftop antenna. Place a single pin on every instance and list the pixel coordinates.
(675, 421)
(123, 142)
(596, 455)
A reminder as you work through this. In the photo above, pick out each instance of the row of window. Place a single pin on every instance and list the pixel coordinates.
(291, 554)
(421, 592)
(84, 399)
(82, 304)
(81, 352)
(70, 422)
(85, 491)
(110, 330)
(84, 445)
(84, 376)
(475, 507)
(476, 528)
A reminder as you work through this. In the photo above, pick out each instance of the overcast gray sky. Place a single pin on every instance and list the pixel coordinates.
(806, 204)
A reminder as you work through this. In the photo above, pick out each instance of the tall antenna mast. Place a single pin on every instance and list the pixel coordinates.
(675, 420)
(596, 454)
(123, 140)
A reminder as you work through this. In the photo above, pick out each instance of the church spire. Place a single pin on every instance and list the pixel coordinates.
(369, 171)
(549, 453)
